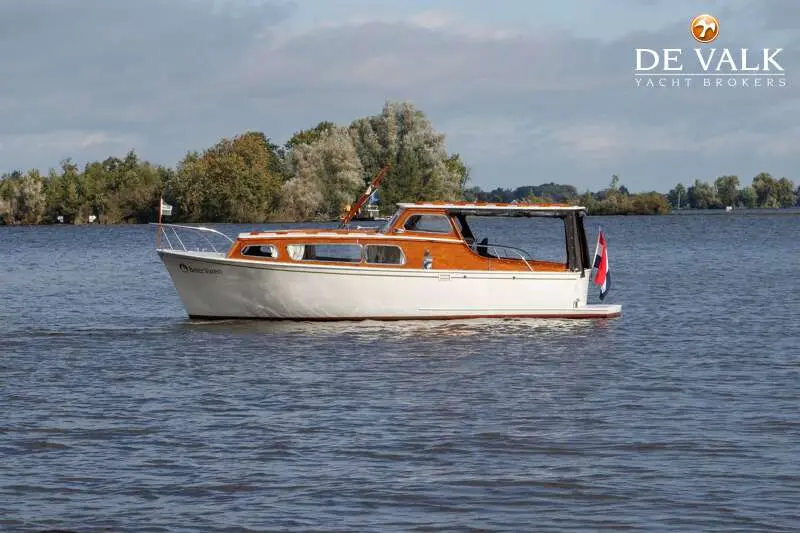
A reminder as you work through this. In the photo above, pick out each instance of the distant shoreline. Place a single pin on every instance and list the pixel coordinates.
(674, 212)
(738, 210)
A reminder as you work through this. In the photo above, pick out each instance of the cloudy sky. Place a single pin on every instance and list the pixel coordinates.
(527, 92)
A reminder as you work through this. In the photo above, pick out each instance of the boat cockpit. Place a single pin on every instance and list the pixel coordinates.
(450, 221)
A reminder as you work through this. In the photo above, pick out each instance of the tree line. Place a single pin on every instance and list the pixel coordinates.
(317, 173)
(313, 176)
(613, 200)
(764, 192)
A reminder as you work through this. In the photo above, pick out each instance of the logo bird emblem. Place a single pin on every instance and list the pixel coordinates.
(705, 28)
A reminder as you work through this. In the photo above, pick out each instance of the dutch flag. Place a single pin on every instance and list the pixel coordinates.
(602, 276)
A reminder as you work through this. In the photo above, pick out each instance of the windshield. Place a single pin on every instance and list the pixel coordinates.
(389, 223)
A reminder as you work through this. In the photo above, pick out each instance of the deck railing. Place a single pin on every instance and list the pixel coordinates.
(190, 238)
(518, 251)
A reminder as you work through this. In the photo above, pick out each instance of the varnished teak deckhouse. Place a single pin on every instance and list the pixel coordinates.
(423, 263)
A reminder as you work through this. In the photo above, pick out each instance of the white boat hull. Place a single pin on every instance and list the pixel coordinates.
(211, 286)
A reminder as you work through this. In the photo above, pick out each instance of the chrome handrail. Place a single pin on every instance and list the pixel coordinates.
(201, 230)
(519, 252)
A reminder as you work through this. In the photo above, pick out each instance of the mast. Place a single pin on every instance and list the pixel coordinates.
(371, 188)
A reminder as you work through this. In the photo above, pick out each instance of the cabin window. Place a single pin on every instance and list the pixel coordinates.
(295, 251)
(382, 254)
(428, 224)
(262, 250)
(341, 253)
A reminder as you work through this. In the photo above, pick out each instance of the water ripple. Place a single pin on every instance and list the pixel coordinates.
(122, 415)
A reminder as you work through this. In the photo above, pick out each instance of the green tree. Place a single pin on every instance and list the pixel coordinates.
(233, 181)
(727, 189)
(701, 195)
(587, 200)
(556, 192)
(456, 167)
(31, 201)
(747, 198)
(784, 193)
(473, 194)
(403, 137)
(309, 136)
(649, 203)
(765, 188)
(6, 192)
(23, 198)
(327, 176)
(62, 196)
(677, 196)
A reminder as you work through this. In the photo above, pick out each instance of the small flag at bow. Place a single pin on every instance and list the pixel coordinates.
(602, 276)
(166, 209)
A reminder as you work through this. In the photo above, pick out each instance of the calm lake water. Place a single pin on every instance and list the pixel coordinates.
(120, 414)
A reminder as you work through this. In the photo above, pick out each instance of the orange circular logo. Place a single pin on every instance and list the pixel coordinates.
(705, 28)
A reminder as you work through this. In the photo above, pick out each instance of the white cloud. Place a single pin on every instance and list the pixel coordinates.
(432, 20)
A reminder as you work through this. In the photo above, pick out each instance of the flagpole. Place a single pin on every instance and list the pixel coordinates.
(597, 246)
(159, 230)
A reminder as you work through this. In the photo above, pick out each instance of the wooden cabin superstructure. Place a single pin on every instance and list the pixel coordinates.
(436, 230)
